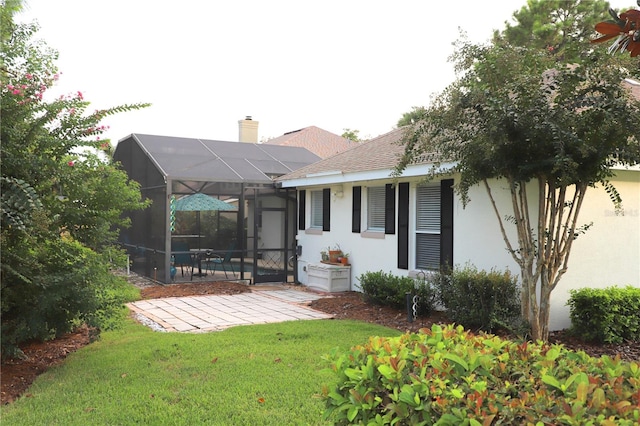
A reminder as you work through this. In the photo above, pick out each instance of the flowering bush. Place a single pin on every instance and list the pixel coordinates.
(61, 201)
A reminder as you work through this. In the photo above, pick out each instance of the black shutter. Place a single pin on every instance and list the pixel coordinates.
(356, 210)
(326, 209)
(302, 209)
(446, 223)
(389, 209)
(403, 226)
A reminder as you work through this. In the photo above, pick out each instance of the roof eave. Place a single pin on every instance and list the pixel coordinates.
(338, 177)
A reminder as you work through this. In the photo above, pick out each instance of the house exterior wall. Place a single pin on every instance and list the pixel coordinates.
(366, 253)
(608, 254)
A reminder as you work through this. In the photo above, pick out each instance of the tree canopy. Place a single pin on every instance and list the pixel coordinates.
(411, 117)
(557, 26)
(62, 200)
(352, 135)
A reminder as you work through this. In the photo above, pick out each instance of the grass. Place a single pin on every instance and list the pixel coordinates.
(253, 375)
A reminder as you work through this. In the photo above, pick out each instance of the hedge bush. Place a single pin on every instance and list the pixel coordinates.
(448, 376)
(68, 284)
(390, 290)
(608, 315)
(480, 300)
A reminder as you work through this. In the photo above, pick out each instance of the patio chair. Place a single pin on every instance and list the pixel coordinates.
(182, 258)
(217, 260)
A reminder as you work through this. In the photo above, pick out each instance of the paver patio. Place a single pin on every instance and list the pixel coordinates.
(214, 313)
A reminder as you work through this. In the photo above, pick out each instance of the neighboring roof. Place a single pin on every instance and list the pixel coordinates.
(322, 143)
(218, 161)
(378, 153)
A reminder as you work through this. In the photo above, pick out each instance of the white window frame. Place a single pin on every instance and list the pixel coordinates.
(376, 208)
(427, 227)
(316, 209)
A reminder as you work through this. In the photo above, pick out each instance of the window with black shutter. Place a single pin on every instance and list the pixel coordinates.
(428, 227)
(434, 225)
(316, 209)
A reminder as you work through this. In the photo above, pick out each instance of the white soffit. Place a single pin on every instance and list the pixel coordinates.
(335, 177)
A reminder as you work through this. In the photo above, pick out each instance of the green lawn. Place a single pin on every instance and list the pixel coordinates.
(252, 375)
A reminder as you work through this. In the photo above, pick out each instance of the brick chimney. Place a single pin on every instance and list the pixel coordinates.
(248, 130)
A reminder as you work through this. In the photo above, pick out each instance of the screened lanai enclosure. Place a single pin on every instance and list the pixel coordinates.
(215, 211)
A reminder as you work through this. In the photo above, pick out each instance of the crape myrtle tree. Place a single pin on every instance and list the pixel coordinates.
(61, 199)
(548, 131)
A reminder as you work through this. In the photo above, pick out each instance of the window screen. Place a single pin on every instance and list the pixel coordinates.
(316, 209)
(428, 227)
(376, 208)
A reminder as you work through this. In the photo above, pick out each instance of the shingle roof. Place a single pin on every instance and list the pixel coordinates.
(322, 143)
(379, 153)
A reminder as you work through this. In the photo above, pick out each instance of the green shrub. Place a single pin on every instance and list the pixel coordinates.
(391, 290)
(480, 300)
(111, 294)
(60, 285)
(609, 315)
(448, 376)
(426, 297)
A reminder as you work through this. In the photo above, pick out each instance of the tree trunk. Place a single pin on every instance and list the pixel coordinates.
(543, 250)
(545, 310)
(529, 301)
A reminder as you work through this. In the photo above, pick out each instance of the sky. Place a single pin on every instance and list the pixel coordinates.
(289, 64)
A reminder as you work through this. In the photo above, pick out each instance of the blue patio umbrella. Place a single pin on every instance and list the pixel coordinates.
(201, 202)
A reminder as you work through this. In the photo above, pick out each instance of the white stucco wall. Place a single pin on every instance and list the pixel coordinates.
(477, 237)
(608, 254)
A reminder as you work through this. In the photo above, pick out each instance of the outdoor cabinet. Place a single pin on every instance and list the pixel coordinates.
(330, 278)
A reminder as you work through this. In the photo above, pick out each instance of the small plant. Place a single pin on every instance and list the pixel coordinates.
(335, 253)
(324, 256)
